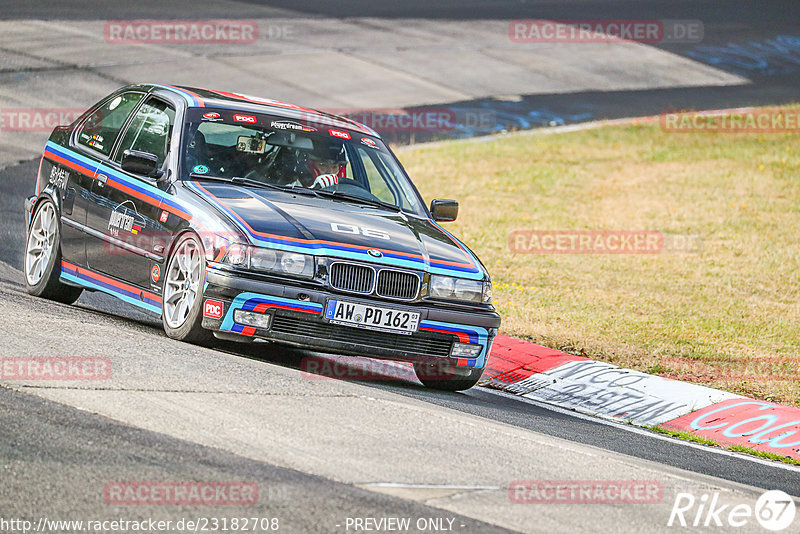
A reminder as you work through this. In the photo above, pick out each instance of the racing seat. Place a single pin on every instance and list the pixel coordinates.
(197, 151)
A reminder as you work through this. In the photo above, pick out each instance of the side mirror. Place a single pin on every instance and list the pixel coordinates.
(444, 210)
(142, 163)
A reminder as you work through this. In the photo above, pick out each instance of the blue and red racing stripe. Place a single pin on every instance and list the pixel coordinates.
(126, 292)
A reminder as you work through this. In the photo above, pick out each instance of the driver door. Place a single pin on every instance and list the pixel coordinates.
(125, 217)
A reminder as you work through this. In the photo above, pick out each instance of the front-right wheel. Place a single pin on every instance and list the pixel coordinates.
(446, 378)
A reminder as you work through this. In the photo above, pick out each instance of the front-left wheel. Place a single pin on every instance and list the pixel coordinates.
(446, 378)
(42, 262)
(183, 292)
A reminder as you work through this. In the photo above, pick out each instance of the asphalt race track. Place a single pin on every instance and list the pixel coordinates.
(321, 451)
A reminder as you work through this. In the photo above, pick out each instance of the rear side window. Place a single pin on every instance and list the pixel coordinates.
(102, 127)
(150, 130)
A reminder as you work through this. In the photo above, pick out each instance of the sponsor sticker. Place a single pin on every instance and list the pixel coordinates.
(291, 125)
(339, 133)
(59, 177)
(155, 273)
(164, 216)
(212, 116)
(125, 218)
(200, 169)
(369, 142)
(213, 309)
(250, 119)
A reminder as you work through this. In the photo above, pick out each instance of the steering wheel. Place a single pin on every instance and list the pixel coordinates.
(351, 187)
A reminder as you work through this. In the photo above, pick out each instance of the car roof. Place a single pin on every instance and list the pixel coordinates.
(200, 98)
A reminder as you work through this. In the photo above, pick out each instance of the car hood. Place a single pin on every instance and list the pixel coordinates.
(339, 229)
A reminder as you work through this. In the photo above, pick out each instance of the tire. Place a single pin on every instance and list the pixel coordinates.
(436, 376)
(183, 294)
(42, 261)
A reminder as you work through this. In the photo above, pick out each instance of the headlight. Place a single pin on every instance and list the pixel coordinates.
(263, 259)
(270, 260)
(446, 287)
(294, 263)
(236, 255)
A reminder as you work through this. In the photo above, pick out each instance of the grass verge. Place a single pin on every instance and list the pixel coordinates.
(725, 313)
(688, 436)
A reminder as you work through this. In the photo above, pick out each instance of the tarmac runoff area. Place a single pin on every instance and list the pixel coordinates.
(54, 69)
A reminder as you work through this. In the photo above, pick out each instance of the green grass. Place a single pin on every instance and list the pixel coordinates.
(727, 316)
(688, 436)
(765, 455)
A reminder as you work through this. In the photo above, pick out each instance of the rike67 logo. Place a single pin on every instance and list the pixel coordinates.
(774, 511)
(213, 309)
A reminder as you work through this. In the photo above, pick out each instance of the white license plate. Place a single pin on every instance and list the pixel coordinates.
(372, 317)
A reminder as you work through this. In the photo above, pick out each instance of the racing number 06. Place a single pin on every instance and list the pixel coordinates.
(356, 230)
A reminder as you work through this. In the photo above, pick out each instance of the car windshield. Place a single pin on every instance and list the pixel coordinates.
(337, 164)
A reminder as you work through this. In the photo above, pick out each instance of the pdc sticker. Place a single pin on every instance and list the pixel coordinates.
(250, 119)
(340, 134)
(213, 309)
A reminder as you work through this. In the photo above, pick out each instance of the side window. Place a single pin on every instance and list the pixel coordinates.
(102, 127)
(150, 130)
(377, 184)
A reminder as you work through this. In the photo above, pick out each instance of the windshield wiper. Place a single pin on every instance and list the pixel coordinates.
(238, 180)
(230, 180)
(347, 197)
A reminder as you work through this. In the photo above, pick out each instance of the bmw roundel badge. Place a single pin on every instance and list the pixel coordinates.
(375, 253)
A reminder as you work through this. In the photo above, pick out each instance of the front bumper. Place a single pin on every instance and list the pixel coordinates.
(296, 318)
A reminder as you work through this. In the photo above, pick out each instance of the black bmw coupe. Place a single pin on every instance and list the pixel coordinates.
(237, 217)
